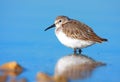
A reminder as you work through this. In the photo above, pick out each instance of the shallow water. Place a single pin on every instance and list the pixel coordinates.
(22, 36)
(35, 59)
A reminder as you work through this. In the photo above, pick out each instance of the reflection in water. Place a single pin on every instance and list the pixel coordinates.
(9, 71)
(76, 66)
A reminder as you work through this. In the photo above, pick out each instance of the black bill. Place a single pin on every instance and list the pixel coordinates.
(50, 27)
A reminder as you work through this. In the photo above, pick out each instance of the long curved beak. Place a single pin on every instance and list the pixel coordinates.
(50, 27)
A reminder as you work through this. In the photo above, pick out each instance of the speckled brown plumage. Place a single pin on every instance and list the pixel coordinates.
(78, 30)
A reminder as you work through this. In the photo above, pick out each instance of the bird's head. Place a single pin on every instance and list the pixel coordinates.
(58, 22)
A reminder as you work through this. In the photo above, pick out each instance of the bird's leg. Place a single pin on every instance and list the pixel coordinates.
(74, 50)
(80, 51)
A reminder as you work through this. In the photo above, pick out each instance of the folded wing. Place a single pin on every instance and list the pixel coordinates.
(78, 30)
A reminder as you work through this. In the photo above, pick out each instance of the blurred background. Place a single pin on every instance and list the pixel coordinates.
(23, 39)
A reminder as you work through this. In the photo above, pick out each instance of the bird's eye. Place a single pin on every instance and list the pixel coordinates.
(60, 20)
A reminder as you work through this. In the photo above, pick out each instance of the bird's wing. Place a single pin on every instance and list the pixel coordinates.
(78, 30)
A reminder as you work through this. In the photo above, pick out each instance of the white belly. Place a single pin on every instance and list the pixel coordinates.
(72, 43)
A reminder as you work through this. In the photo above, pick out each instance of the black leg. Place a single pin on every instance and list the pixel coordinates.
(74, 50)
(80, 51)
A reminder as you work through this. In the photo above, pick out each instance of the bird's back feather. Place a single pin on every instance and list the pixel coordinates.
(78, 30)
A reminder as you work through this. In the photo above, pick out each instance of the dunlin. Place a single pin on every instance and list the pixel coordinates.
(74, 34)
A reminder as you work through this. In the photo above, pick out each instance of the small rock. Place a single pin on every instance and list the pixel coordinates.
(18, 80)
(42, 77)
(60, 79)
(11, 68)
(23, 80)
(3, 78)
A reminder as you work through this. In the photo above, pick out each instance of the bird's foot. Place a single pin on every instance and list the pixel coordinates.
(80, 51)
(75, 51)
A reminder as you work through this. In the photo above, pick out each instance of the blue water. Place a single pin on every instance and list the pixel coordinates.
(22, 36)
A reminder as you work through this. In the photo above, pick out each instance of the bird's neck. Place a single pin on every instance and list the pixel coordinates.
(58, 29)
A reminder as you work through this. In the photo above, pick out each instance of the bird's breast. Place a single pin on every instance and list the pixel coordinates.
(71, 42)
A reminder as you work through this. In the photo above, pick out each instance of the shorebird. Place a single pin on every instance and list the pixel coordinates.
(74, 34)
